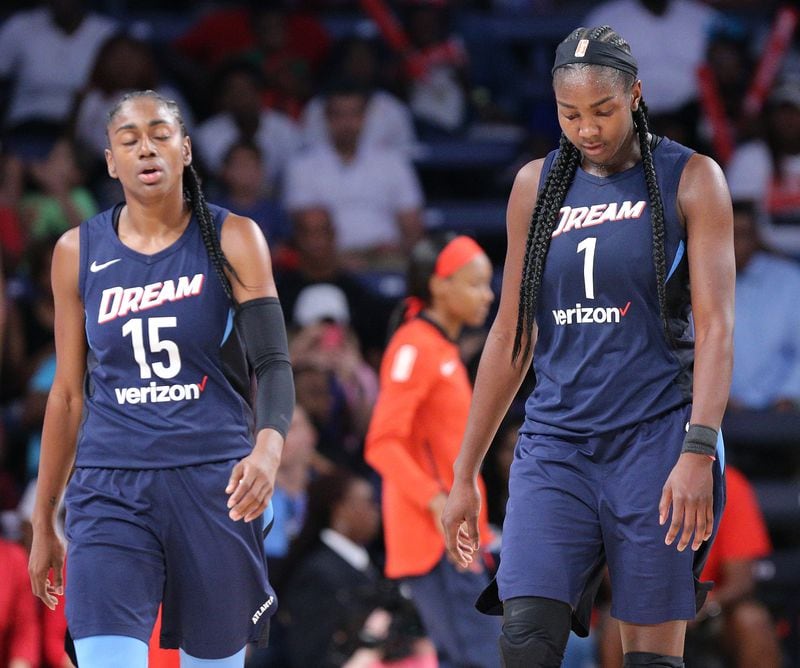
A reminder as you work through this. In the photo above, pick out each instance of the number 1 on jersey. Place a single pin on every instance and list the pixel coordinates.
(157, 344)
(588, 245)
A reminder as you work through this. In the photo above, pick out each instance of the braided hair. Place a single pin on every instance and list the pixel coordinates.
(192, 192)
(551, 198)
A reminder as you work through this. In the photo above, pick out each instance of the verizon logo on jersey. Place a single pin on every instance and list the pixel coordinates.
(156, 394)
(576, 218)
(118, 301)
(586, 314)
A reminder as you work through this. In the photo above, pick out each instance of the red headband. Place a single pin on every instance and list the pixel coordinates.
(459, 252)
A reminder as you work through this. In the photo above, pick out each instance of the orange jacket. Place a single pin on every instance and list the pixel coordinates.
(413, 440)
(742, 533)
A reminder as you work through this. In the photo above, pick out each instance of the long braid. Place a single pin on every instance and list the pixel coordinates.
(553, 193)
(656, 215)
(192, 193)
(540, 232)
(194, 196)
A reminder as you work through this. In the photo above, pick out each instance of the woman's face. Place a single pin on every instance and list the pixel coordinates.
(467, 294)
(595, 113)
(147, 150)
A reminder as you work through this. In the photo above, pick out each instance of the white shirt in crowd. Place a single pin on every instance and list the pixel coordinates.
(277, 136)
(48, 66)
(668, 48)
(364, 196)
(387, 123)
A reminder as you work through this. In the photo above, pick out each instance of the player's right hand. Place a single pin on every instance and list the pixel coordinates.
(460, 522)
(47, 558)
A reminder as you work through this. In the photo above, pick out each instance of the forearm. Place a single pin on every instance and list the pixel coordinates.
(59, 435)
(496, 385)
(712, 374)
(269, 445)
(391, 459)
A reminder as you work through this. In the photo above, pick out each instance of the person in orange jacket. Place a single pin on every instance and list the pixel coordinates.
(414, 438)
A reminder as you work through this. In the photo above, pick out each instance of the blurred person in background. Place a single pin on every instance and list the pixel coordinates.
(241, 116)
(331, 586)
(288, 47)
(47, 54)
(29, 318)
(373, 193)
(325, 340)
(767, 171)
(387, 120)
(56, 198)
(313, 257)
(413, 441)
(244, 188)
(20, 630)
(766, 350)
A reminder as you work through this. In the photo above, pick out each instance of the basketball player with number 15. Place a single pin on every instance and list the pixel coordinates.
(164, 305)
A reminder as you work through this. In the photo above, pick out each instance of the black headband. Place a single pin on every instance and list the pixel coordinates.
(594, 52)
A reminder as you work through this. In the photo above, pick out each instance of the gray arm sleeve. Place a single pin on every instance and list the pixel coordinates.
(260, 325)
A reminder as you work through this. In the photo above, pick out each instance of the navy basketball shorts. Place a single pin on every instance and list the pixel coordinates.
(139, 538)
(578, 504)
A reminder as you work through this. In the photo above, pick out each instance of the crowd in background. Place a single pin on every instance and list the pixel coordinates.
(348, 131)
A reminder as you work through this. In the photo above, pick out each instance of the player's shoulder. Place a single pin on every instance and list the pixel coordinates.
(530, 173)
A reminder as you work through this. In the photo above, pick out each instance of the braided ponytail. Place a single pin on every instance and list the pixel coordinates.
(193, 194)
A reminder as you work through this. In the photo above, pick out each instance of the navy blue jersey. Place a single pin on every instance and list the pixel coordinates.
(602, 359)
(167, 377)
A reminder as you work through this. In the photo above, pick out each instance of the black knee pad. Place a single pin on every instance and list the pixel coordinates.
(651, 660)
(535, 632)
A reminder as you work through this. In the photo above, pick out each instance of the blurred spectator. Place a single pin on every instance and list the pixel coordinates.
(289, 498)
(326, 341)
(746, 630)
(33, 405)
(48, 53)
(652, 28)
(30, 315)
(732, 622)
(20, 632)
(316, 260)
(123, 64)
(241, 117)
(725, 78)
(387, 120)
(332, 585)
(768, 171)
(766, 369)
(373, 193)
(12, 235)
(436, 69)
(57, 199)
(287, 46)
(414, 439)
(244, 189)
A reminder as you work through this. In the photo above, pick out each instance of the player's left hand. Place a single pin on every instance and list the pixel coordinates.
(689, 490)
(252, 482)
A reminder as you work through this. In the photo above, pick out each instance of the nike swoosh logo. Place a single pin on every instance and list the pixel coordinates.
(99, 267)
